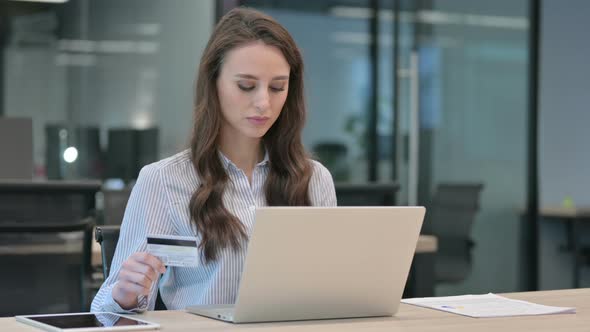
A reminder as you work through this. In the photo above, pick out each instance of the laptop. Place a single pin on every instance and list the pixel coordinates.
(308, 263)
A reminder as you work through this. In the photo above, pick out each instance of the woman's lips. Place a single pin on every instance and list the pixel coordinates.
(257, 120)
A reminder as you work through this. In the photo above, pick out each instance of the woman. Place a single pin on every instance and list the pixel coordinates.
(246, 151)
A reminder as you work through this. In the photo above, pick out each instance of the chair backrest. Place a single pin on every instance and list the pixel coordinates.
(115, 202)
(450, 217)
(366, 194)
(453, 209)
(107, 236)
(59, 252)
(333, 155)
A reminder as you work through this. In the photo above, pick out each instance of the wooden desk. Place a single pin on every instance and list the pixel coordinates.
(408, 319)
(49, 249)
(572, 217)
(564, 212)
(47, 201)
(421, 280)
(427, 244)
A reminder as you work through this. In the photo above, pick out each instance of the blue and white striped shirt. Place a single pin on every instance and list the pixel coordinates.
(159, 204)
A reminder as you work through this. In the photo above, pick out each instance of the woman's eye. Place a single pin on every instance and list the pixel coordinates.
(277, 88)
(245, 87)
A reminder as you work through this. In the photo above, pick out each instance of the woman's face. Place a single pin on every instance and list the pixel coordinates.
(252, 88)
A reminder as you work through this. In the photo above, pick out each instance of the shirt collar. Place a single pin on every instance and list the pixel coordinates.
(227, 163)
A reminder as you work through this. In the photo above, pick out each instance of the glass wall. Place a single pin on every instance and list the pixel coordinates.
(461, 107)
(112, 79)
(338, 82)
(473, 64)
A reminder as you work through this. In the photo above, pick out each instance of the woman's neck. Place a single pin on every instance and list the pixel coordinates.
(244, 153)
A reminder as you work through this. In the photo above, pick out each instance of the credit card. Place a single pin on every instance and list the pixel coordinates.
(174, 250)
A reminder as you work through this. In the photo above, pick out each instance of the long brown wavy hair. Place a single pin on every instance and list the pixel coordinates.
(290, 169)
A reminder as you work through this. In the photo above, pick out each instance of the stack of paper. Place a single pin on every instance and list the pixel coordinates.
(488, 305)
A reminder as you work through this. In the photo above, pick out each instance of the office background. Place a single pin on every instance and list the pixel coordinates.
(83, 69)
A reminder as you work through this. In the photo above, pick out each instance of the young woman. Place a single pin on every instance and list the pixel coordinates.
(246, 151)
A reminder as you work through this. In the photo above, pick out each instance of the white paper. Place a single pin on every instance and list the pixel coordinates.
(487, 305)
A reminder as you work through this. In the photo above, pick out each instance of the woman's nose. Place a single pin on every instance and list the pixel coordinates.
(262, 102)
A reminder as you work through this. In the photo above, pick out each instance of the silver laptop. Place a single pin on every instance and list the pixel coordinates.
(323, 262)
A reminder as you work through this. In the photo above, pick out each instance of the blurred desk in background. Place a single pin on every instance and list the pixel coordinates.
(573, 217)
(421, 280)
(47, 201)
(427, 244)
(565, 212)
(43, 265)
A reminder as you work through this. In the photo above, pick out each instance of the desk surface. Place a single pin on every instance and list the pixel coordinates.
(53, 186)
(408, 319)
(565, 212)
(427, 244)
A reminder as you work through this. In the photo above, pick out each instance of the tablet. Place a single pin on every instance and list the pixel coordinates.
(87, 322)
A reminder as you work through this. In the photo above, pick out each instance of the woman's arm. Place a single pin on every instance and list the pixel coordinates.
(147, 212)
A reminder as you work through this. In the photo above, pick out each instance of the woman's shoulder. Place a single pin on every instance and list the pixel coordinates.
(172, 169)
(178, 160)
(181, 158)
(321, 186)
(319, 171)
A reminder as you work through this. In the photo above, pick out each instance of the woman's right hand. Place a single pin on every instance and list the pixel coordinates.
(136, 277)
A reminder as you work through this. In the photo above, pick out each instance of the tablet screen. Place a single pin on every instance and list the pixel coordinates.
(86, 320)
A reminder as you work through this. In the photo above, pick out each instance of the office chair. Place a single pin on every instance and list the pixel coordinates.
(115, 202)
(366, 194)
(333, 155)
(450, 216)
(107, 237)
(49, 244)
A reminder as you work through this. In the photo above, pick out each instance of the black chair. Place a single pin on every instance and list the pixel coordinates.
(107, 237)
(450, 216)
(366, 194)
(333, 155)
(115, 202)
(65, 248)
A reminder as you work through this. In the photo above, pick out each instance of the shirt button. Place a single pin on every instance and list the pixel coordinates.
(252, 207)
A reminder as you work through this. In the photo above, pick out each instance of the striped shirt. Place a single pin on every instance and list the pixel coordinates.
(159, 204)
